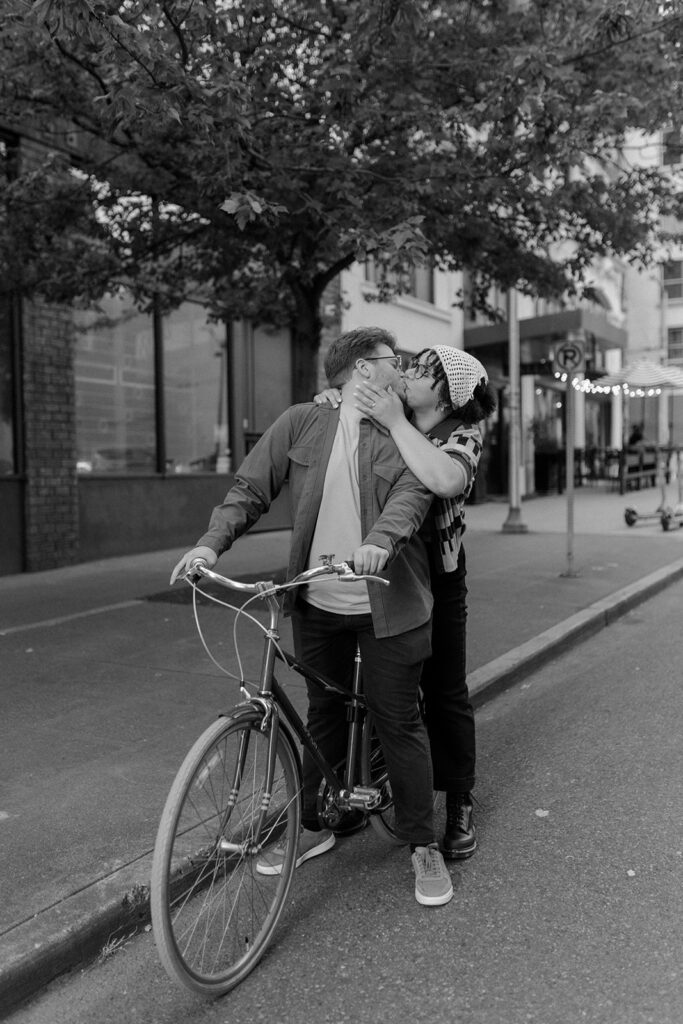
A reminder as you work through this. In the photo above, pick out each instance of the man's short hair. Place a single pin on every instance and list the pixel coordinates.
(347, 348)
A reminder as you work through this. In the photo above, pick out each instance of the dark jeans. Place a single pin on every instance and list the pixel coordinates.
(391, 675)
(448, 711)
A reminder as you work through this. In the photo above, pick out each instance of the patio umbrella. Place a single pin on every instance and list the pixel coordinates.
(641, 378)
(642, 375)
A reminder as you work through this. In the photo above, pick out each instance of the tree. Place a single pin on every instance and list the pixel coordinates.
(246, 151)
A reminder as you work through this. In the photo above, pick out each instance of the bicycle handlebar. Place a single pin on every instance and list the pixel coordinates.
(343, 570)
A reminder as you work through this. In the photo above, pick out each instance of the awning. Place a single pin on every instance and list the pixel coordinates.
(552, 328)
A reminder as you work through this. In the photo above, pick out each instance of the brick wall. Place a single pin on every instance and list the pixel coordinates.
(51, 497)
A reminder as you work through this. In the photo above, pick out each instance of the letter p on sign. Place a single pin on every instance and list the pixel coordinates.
(569, 357)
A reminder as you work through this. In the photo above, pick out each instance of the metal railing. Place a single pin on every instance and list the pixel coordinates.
(643, 465)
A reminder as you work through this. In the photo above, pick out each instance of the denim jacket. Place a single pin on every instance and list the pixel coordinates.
(296, 448)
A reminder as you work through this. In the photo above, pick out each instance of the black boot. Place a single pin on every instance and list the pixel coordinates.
(459, 841)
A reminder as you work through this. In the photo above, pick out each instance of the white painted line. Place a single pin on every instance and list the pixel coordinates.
(70, 618)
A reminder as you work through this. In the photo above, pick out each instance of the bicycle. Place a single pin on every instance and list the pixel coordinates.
(237, 795)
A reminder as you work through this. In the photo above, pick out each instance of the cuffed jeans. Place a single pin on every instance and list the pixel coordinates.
(391, 674)
(448, 710)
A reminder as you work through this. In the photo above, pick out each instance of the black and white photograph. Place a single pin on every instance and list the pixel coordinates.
(341, 507)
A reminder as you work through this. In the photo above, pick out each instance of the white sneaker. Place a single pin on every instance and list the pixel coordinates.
(433, 886)
(311, 844)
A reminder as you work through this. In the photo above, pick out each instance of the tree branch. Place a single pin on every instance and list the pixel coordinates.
(126, 49)
(82, 65)
(184, 52)
(322, 280)
(623, 41)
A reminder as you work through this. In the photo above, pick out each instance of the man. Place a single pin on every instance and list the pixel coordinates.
(352, 495)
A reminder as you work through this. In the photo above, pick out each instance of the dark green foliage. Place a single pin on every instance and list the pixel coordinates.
(282, 139)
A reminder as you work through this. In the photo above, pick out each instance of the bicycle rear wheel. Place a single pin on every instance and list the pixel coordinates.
(213, 914)
(373, 772)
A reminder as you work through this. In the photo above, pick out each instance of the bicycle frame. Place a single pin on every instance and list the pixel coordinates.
(272, 698)
(357, 705)
(227, 841)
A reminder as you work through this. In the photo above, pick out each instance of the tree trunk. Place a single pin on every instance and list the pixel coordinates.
(306, 335)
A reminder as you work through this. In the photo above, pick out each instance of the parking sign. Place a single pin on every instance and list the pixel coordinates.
(570, 357)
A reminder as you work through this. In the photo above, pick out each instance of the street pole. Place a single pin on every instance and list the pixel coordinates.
(513, 523)
(570, 417)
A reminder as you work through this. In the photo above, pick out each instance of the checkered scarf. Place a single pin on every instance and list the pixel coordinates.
(448, 514)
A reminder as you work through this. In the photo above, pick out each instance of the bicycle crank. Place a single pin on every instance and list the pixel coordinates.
(332, 806)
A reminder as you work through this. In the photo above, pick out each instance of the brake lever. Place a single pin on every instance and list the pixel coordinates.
(193, 574)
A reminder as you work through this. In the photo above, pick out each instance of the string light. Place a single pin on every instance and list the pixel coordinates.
(589, 388)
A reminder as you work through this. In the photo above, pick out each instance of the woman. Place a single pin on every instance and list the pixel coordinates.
(447, 394)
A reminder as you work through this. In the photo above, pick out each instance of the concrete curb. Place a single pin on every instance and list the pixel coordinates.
(497, 675)
(77, 929)
(72, 932)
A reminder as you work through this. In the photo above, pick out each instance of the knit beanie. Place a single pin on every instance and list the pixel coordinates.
(463, 373)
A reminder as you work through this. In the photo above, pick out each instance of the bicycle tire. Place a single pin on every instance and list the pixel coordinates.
(213, 914)
(373, 772)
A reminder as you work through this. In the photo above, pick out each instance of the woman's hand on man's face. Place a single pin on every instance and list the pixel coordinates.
(384, 406)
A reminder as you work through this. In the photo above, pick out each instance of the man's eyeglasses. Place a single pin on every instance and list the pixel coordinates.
(418, 370)
(395, 360)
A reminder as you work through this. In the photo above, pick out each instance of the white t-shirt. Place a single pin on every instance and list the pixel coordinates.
(338, 529)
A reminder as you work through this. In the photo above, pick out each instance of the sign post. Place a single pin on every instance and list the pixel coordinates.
(514, 523)
(569, 360)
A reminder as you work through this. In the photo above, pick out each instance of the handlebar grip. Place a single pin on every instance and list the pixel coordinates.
(369, 577)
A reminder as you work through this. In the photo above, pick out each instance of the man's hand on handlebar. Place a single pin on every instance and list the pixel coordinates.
(183, 566)
(369, 559)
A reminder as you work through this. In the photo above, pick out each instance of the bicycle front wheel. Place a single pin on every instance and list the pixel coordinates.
(213, 913)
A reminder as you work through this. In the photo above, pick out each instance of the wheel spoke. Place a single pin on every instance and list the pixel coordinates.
(213, 913)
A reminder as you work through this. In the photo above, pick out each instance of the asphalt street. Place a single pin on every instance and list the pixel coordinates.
(571, 911)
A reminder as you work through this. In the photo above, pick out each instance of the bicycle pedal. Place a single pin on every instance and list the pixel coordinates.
(364, 797)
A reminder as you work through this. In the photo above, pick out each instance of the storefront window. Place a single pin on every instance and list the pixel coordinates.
(115, 398)
(8, 149)
(6, 390)
(195, 404)
(546, 427)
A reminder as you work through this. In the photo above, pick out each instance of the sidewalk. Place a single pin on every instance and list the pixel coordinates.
(106, 686)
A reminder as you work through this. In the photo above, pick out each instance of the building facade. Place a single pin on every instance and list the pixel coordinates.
(119, 430)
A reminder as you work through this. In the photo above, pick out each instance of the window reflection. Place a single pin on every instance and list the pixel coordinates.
(6, 392)
(8, 153)
(115, 404)
(195, 354)
(416, 281)
(115, 390)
